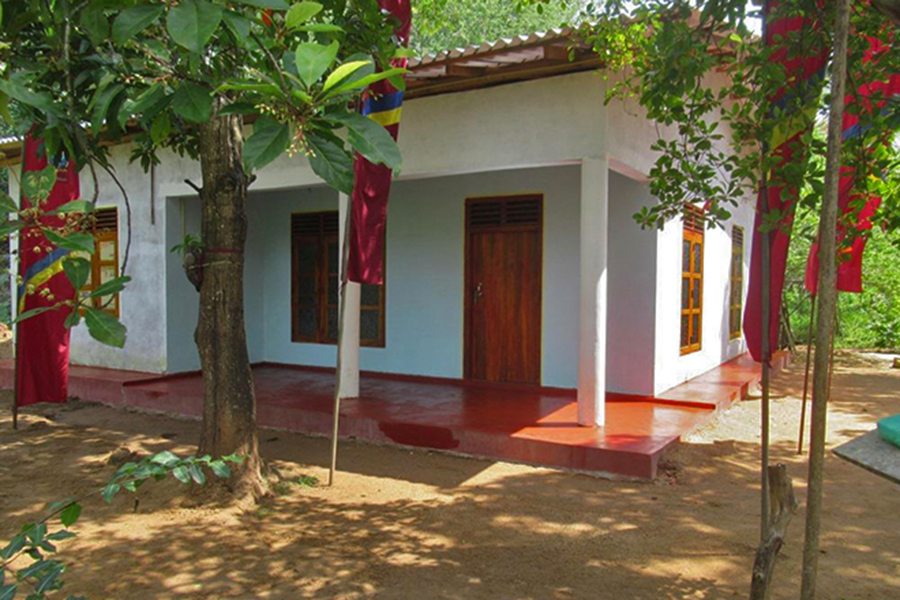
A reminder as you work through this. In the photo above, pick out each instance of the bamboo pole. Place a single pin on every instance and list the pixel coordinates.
(809, 345)
(342, 311)
(766, 309)
(15, 414)
(17, 330)
(827, 304)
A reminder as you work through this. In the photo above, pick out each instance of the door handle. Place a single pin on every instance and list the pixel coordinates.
(479, 292)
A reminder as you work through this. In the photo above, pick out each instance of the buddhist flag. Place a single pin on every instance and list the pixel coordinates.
(857, 209)
(382, 103)
(794, 104)
(42, 359)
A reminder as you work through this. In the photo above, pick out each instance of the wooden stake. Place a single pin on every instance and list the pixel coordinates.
(15, 415)
(809, 345)
(342, 311)
(17, 326)
(784, 506)
(827, 301)
(765, 350)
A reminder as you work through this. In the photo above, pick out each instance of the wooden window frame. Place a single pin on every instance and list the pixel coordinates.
(323, 238)
(103, 233)
(736, 279)
(693, 236)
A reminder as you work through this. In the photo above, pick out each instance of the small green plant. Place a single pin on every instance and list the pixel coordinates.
(282, 488)
(188, 245)
(37, 541)
(307, 481)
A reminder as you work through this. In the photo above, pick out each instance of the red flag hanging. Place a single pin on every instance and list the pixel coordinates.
(805, 72)
(383, 104)
(42, 360)
(856, 210)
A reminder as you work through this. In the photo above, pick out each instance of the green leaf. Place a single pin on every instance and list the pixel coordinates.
(37, 185)
(371, 140)
(76, 242)
(16, 544)
(111, 489)
(102, 103)
(342, 72)
(220, 469)
(274, 4)
(181, 474)
(134, 20)
(95, 23)
(69, 515)
(113, 286)
(148, 99)
(269, 140)
(7, 204)
(353, 84)
(247, 86)
(320, 28)
(73, 319)
(4, 110)
(32, 313)
(8, 592)
(164, 458)
(160, 128)
(330, 161)
(75, 206)
(78, 270)
(58, 536)
(193, 102)
(37, 532)
(193, 22)
(104, 327)
(239, 25)
(38, 100)
(300, 13)
(197, 474)
(313, 60)
(47, 580)
(239, 108)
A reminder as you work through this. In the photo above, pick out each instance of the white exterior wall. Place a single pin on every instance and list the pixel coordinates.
(142, 304)
(493, 141)
(671, 367)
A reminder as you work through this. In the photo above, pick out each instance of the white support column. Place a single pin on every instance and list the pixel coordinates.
(593, 305)
(350, 335)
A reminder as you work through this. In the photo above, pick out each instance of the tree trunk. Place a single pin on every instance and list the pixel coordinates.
(827, 303)
(229, 402)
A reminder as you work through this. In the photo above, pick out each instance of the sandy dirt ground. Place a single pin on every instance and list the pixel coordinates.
(414, 525)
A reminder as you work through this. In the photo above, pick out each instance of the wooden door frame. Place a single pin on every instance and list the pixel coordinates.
(468, 284)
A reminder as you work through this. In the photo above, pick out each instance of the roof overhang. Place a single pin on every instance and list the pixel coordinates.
(508, 60)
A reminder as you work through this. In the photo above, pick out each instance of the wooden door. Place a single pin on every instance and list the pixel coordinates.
(503, 289)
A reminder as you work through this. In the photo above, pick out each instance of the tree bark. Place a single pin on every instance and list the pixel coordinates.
(827, 303)
(783, 506)
(229, 401)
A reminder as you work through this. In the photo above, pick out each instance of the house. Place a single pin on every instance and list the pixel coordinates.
(511, 253)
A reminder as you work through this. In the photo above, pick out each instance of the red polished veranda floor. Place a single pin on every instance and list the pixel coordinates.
(490, 422)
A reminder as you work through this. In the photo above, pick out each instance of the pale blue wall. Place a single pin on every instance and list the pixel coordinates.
(631, 314)
(425, 262)
(182, 216)
(182, 300)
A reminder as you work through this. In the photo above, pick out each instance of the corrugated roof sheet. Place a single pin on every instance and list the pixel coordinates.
(475, 49)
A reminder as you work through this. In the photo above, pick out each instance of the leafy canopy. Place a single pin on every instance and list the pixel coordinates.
(88, 72)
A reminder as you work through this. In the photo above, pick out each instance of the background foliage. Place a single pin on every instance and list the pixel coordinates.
(443, 24)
